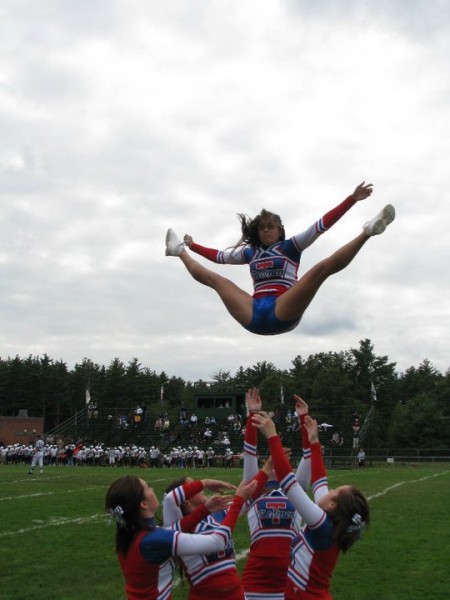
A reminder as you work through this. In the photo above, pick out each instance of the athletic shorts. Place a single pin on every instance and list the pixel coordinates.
(264, 321)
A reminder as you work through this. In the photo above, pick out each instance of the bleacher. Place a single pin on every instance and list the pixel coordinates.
(102, 427)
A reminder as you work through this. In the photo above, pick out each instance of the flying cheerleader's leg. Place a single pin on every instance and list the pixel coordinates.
(295, 301)
(237, 302)
(379, 223)
(174, 245)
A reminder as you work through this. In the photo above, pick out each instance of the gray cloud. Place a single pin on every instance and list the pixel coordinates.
(117, 122)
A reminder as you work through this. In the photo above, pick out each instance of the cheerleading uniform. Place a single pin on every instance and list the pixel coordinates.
(214, 574)
(148, 565)
(273, 269)
(273, 523)
(314, 553)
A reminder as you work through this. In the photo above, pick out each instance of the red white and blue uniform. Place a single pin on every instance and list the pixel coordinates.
(273, 523)
(214, 574)
(274, 268)
(149, 563)
(314, 553)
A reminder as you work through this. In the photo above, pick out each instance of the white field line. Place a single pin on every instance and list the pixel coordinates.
(82, 520)
(55, 523)
(62, 491)
(400, 483)
(49, 493)
(39, 478)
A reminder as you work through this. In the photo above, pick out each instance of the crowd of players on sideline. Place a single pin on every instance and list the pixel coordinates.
(219, 453)
(79, 454)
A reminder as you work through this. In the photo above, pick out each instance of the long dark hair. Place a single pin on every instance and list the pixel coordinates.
(249, 228)
(350, 517)
(122, 501)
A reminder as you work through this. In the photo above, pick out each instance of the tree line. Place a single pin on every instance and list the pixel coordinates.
(411, 409)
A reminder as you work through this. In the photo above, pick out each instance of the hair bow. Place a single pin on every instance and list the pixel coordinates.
(357, 525)
(117, 514)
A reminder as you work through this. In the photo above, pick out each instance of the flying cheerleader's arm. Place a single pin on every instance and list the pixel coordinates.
(362, 191)
(306, 238)
(209, 253)
(230, 256)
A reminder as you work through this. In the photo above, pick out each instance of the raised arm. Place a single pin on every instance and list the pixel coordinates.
(319, 479)
(312, 514)
(213, 504)
(306, 238)
(303, 474)
(253, 403)
(186, 543)
(175, 498)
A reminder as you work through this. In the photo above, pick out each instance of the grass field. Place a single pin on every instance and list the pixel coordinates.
(55, 542)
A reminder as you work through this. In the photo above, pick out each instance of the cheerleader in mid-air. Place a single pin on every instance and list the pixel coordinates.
(279, 299)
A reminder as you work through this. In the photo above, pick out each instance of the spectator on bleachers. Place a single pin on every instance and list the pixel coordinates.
(288, 417)
(183, 414)
(335, 439)
(92, 410)
(122, 422)
(356, 427)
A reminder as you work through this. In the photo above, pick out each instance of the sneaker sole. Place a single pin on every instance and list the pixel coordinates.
(168, 245)
(387, 215)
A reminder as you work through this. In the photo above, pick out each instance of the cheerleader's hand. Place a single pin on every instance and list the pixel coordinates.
(246, 490)
(253, 400)
(301, 408)
(264, 423)
(217, 503)
(216, 485)
(362, 191)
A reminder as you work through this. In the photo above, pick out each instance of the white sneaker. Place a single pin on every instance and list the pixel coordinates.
(379, 223)
(174, 245)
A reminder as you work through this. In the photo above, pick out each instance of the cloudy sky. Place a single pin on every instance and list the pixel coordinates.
(119, 119)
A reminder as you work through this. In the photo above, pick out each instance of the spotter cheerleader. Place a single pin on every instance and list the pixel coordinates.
(334, 520)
